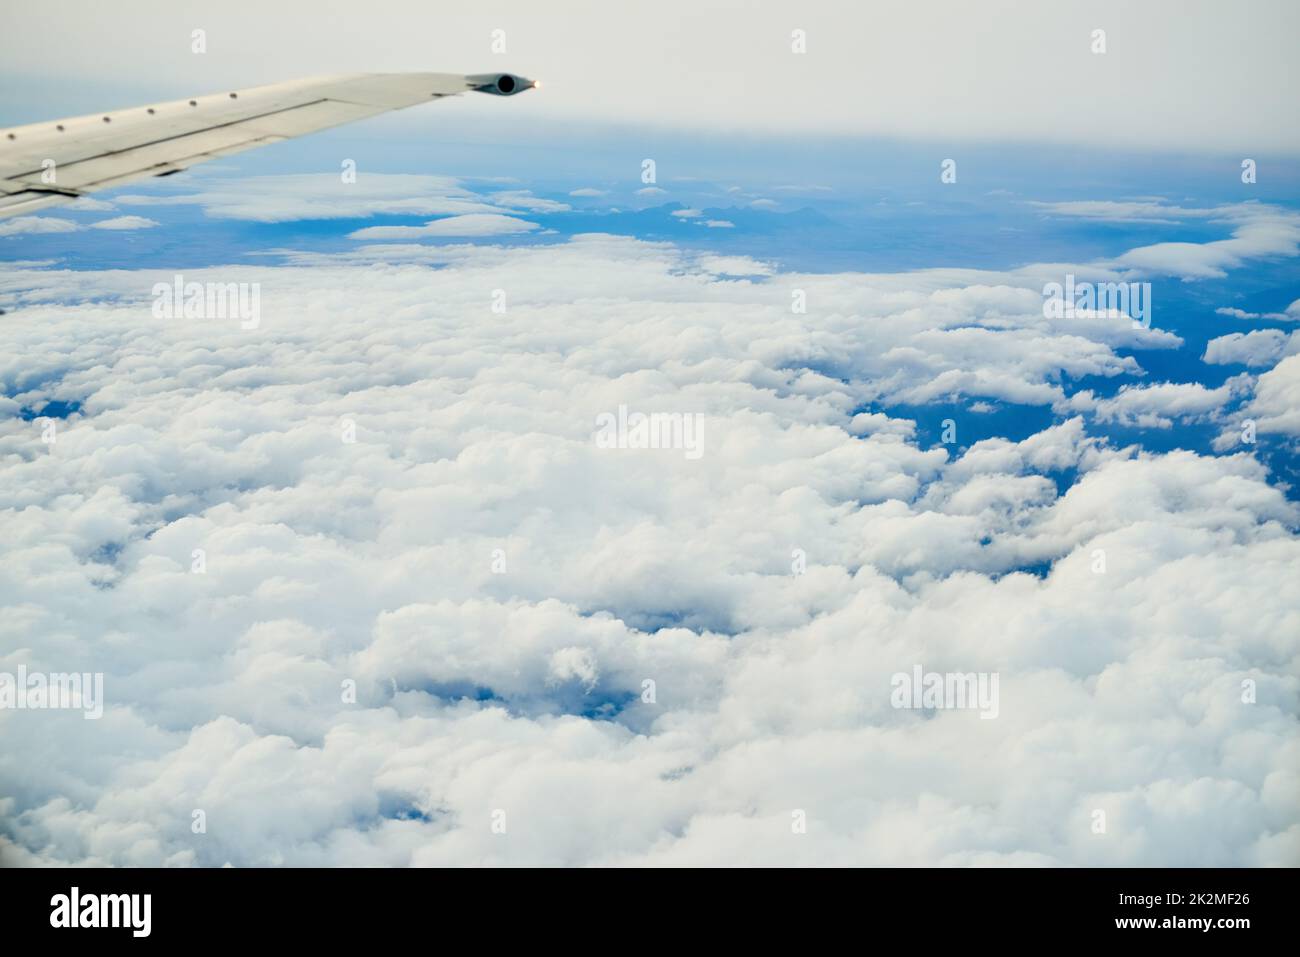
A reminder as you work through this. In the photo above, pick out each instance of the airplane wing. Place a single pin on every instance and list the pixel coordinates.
(56, 162)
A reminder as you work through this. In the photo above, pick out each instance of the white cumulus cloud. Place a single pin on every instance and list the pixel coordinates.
(640, 657)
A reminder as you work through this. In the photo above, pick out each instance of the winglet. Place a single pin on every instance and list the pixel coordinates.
(500, 84)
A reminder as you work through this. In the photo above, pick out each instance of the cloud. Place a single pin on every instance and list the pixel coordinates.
(1259, 232)
(1275, 406)
(687, 213)
(734, 265)
(285, 198)
(522, 199)
(474, 224)
(1156, 406)
(719, 224)
(88, 204)
(1263, 347)
(30, 225)
(125, 223)
(500, 588)
(651, 191)
(1292, 313)
(1108, 211)
(588, 191)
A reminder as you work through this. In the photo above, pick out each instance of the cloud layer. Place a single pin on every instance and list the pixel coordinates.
(394, 484)
(1191, 75)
